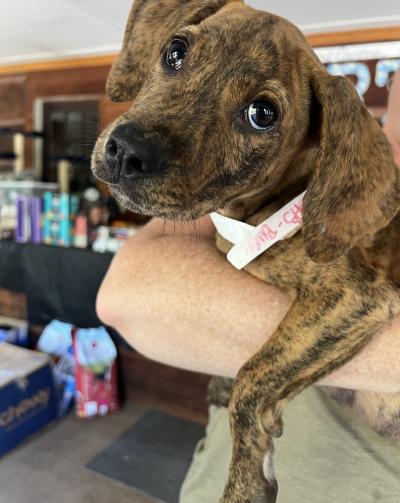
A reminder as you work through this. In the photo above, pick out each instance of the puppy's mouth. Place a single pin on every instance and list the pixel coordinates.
(145, 178)
(164, 194)
(167, 197)
(127, 174)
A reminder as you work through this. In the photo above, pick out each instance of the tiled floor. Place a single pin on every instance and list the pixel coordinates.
(50, 468)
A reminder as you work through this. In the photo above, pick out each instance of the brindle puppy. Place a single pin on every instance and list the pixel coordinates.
(233, 111)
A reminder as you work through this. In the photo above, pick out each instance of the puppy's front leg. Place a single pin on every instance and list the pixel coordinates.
(323, 330)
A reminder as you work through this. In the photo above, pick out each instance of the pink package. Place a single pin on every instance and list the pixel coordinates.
(96, 373)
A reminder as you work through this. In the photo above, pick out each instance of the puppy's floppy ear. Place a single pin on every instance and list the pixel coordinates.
(354, 190)
(150, 24)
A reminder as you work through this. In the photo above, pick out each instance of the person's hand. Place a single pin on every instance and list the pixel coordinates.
(392, 125)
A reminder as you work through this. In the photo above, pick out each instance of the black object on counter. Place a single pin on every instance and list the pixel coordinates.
(7, 155)
(60, 283)
(27, 134)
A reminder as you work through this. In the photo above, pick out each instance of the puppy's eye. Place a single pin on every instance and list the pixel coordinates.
(175, 54)
(260, 115)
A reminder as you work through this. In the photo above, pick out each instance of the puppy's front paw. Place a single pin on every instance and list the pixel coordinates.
(263, 498)
(268, 494)
(273, 424)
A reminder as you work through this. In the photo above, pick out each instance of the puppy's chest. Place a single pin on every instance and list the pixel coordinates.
(283, 264)
(287, 265)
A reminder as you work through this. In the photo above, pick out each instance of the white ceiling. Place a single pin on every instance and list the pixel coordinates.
(45, 29)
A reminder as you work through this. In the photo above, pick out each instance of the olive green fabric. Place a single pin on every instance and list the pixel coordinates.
(324, 456)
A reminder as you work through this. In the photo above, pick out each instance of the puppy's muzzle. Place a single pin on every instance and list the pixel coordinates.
(131, 154)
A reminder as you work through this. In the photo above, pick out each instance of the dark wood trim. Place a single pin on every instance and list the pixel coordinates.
(178, 391)
(13, 305)
(365, 35)
(58, 64)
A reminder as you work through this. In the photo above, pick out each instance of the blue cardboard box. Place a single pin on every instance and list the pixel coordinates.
(28, 399)
(14, 331)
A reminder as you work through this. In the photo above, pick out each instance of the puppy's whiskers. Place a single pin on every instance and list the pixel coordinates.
(194, 221)
(163, 229)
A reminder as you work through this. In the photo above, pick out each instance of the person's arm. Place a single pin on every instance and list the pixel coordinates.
(392, 124)
(177, 300)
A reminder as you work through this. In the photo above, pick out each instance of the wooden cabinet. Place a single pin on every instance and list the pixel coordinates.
(12, 100)
(12, 112)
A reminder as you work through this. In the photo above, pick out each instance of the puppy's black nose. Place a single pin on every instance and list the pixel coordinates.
(131, 154)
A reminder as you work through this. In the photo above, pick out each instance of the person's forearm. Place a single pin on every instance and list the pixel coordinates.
(177, 300)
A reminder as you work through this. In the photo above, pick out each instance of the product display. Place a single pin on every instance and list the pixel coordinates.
(36, 215)
(59, 211)
(85, 368)
(110, 239)
(96, 373)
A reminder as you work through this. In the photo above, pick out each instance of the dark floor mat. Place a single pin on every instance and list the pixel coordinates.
(153, 456)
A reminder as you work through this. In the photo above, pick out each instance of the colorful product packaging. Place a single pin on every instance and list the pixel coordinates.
(85, 370)
(81, 232)
(22, 232)
(14, 331)
(96, 373)
(35, 215)
(57, 219)
(56, 340)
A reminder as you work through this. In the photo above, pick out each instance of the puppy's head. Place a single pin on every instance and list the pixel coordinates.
(225, 99)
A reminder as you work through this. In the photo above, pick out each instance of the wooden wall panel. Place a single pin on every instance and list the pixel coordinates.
(13, 305)
(68, 82)
(179, 391)
(12, 99)
(360, 36)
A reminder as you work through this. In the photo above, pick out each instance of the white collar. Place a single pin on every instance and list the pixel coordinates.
(251, 241)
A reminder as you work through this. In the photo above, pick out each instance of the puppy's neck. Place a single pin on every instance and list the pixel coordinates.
(276, 193)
